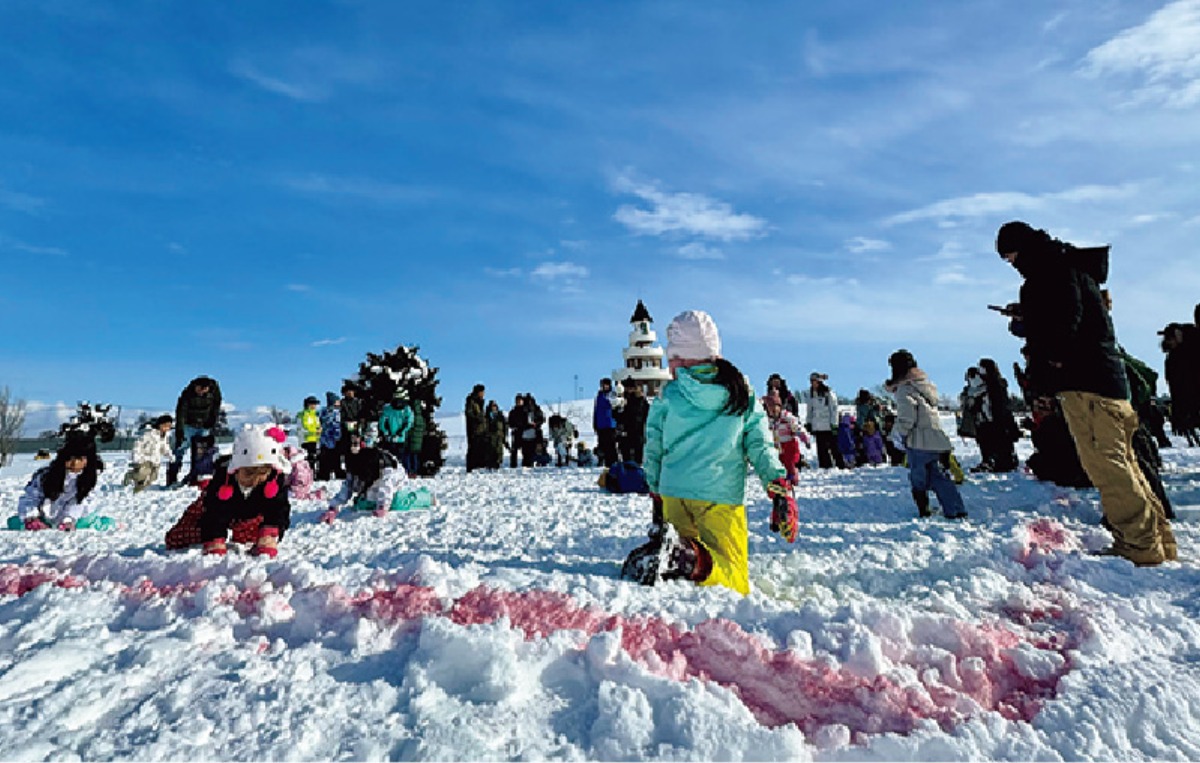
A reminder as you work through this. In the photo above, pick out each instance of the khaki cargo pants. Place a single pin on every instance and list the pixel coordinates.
(141, 475)
(1103, 431)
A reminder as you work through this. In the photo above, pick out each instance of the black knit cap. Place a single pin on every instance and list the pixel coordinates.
(1015, 236)
(78, 444)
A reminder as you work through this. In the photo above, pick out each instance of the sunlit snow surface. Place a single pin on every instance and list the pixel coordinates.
(493, 627)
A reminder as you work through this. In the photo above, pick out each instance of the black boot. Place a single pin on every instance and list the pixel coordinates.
(173, 474)
(922, 499)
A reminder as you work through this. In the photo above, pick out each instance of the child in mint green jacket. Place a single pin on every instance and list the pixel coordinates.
(700, 434)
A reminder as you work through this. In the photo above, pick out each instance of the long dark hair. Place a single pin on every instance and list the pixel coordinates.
(55, 477)
(734, 382)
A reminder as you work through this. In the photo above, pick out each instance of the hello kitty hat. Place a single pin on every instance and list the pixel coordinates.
(261, 445)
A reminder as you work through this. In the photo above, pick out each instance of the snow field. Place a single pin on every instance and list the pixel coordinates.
(493, 627)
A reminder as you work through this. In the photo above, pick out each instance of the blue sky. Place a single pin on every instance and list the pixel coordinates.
(263, 192)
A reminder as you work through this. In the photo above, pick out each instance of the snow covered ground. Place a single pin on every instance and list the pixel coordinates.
(493, 627)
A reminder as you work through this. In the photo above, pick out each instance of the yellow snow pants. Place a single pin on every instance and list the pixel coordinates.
(721, 529)
(1103, 432)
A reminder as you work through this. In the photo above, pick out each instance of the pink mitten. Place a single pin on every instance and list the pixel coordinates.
(329, 516)
(33, 523)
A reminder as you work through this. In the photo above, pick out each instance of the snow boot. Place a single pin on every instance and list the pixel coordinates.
(666, 556)
(267, 543)
(922, 499)
(173, 474)
(641, 566)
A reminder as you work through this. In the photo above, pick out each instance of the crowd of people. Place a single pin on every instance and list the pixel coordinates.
(1095, 421)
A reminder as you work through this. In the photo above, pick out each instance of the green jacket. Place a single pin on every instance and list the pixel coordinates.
(695, 450)
(416, 435)
(476, 418)
(394, 424)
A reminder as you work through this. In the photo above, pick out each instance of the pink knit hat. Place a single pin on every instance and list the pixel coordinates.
(693, 335)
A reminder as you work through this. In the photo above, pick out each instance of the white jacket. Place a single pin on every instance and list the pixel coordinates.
(820, 412)
(917, 419)
(381, 492)
(152, 447)
(34, 503)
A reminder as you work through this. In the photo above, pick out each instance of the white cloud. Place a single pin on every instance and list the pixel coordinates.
(357, 189)
(860, 244)
(503, 273)
(176, 248)
(690, 214)
(328, 342)
(828, 282)
(305, 93)
(1163, 53)
(1009, 202)
(20, 202)
(14, 245)
(951, 275)
(298, 287)
(1151, 217)
(698, 251)
(555, 271)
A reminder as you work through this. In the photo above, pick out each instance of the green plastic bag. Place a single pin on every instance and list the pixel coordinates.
(403, 500)
(90, 522)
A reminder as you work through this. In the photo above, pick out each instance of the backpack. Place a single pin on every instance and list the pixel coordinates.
(625, 477)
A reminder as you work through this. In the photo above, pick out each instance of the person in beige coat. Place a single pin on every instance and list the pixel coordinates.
(919, 432)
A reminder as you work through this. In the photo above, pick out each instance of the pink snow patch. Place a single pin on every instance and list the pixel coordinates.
(18, 581)
(1044, 537)
(537, 613)
(146, 589)
(780, 687)
(402, 603)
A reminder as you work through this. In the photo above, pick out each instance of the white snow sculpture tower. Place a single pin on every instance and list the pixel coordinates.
(643, 358)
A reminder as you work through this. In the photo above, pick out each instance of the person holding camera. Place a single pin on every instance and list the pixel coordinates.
(1072, 350)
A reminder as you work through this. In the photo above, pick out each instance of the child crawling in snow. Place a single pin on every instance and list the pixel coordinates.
(375, 479)
(57, 495)
(700, 434)
(151, 449)
(247, 496)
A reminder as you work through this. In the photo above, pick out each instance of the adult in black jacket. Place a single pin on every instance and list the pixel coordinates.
(996, 428)
(631, 424)
(518, 420)
(1072, 350)
(1181, 343)
(478, 440)
(196, 414)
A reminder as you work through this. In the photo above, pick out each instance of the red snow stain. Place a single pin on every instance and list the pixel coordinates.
(404, 602)
(960, 668)
(1043, 538)
(18, 581)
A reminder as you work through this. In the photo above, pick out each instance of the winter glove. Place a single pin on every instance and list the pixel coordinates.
(785, 517)
(329, 515)
(380, 511)
(67, 525)
(900, 441)
(268, 542)
(33, 523)
(216, 547)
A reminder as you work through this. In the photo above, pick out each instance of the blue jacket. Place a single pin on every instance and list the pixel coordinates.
(602, 414)
(695, 450)
(394, 423)
(331, 427)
